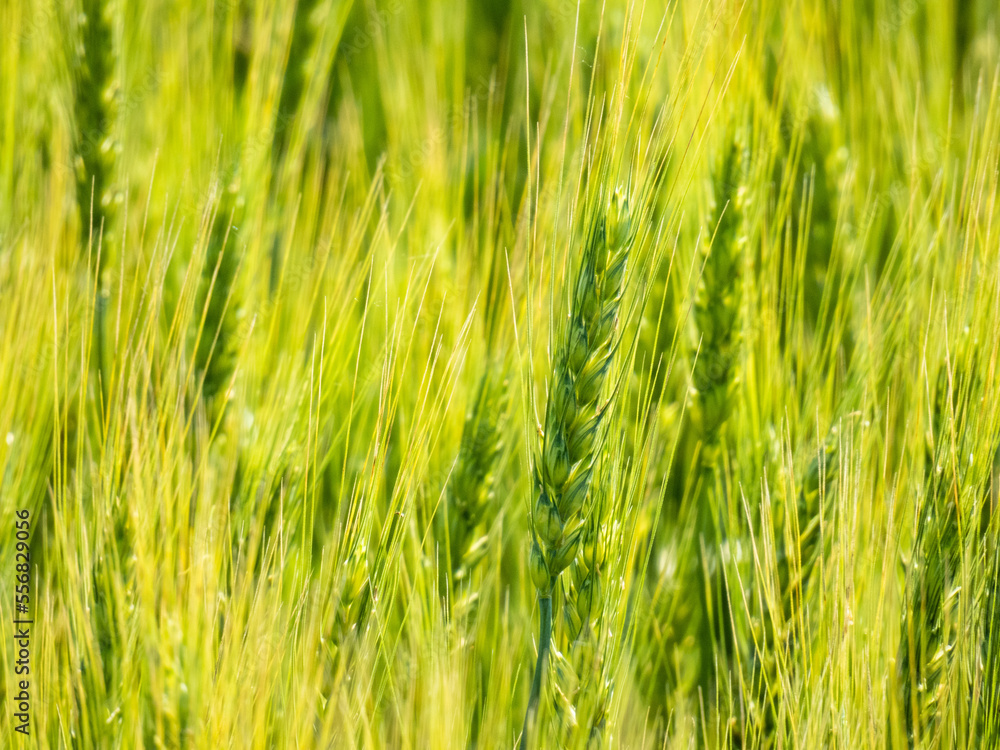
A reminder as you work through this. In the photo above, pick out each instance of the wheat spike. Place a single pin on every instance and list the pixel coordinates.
(718, 301)
(215, 357)
(470, 489)
(573, 415)
(95, 94)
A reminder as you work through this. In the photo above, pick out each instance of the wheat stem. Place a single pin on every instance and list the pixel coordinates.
(544, 643)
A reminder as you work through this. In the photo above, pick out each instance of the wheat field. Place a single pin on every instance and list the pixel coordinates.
(500, 374)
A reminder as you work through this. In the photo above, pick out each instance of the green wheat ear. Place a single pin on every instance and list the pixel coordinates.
(301, 52)
(718, 302)
(215, 357)
(242, 44)
(470, 489)
(350, 605)
(95, 93)
(300, 56)
(574, 412)
(352, 585)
